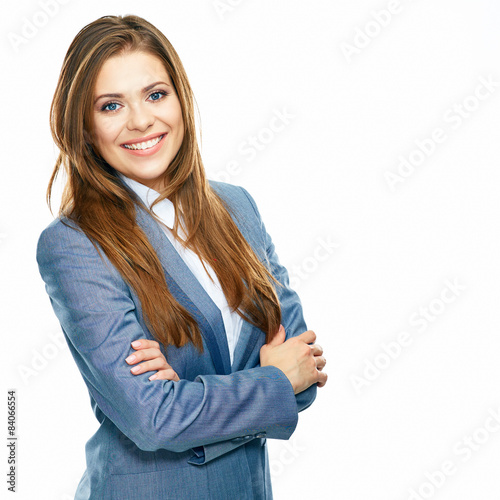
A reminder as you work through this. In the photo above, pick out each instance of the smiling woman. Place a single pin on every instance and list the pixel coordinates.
(147, 253)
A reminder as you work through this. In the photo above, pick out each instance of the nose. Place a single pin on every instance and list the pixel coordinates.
(140, 118)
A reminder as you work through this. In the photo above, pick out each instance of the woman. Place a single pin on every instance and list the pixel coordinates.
(146, 249)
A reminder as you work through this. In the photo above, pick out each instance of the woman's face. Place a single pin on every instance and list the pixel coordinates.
(138, 126)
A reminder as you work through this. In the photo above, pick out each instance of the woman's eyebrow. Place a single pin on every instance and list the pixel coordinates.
(144, 90)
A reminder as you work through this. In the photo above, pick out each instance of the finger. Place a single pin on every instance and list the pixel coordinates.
(322, 378)
(149, 366)
(169, 374)
(316, 349)
(145, 355)
(320, 362)
(279, 338)
(308, 337)
(145, 344)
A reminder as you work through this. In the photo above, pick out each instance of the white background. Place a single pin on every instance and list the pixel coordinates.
(320, 179)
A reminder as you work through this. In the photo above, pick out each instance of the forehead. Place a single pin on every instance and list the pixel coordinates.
(130, 71)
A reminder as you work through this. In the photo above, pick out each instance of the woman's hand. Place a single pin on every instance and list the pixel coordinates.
(154, 360)
(300, 362)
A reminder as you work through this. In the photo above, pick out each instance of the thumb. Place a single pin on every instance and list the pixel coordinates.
(279, 338)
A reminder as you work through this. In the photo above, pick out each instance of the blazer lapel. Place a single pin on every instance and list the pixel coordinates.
(247, 340)
(187, 290)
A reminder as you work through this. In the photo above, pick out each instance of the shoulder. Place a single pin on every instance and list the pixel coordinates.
(59, 231)
(244, 211)
(237, 197)
(74, 268)
(60, 236)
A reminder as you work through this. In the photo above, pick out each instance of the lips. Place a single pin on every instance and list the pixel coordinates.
(143, 143)
(145, 146)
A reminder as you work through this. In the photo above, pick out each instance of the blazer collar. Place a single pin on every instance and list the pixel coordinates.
(165, 210)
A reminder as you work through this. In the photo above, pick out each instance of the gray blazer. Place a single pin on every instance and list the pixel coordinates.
(203, 437)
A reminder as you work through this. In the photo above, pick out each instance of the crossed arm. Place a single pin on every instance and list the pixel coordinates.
(98, 317)
(151, 359)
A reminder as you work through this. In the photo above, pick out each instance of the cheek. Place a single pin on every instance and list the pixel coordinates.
(105, 135)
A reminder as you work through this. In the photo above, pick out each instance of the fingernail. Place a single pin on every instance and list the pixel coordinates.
(136, 344)
(131, 358)
(153, 377)
(135, 369)
(282, 327)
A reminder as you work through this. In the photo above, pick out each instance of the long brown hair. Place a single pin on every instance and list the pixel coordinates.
(97, 201)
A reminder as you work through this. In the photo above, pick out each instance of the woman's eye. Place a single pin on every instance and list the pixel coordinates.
(156, 96)
(111, 106)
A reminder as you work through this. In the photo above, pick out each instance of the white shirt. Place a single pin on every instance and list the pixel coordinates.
(165, 211)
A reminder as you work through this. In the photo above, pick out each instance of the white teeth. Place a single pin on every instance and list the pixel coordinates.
(144, 145)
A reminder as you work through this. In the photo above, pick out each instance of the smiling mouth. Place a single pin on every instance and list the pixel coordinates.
(144, 145)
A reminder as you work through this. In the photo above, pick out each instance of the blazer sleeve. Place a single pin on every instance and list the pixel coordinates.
(291, 306)
(97, 314)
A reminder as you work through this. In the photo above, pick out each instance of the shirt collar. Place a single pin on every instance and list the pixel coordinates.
(165, 209)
